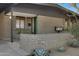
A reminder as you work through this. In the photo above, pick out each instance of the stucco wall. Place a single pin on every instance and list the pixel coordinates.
(46, 24)
(1, 25)
(4, 27)
(50, 16)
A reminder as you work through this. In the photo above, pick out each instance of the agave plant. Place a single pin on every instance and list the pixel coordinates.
(40, 52)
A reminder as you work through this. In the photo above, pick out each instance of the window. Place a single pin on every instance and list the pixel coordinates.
(22, 24)
(19, 22)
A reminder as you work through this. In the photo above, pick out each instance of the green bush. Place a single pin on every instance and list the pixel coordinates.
(73, 43)
(75, 30)
(23, 31)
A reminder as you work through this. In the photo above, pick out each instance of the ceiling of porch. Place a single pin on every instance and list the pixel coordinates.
(21, 14)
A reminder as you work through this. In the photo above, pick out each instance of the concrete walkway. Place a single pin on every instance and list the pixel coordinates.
(11, 49)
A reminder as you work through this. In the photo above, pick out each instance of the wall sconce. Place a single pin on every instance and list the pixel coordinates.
(10, 17)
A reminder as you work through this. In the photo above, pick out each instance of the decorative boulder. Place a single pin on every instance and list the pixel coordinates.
(61, 49)
(74, 43)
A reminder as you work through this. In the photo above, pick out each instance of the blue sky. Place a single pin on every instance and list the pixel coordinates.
(69, 7)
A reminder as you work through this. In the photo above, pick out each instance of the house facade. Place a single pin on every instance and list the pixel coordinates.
(32, 19)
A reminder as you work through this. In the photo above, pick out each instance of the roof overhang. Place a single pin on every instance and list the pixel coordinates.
(64, 10)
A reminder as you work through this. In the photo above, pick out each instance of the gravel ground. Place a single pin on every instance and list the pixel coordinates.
(11, 49)
(69, 52)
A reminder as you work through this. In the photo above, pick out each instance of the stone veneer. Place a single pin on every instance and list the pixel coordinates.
(49, 41)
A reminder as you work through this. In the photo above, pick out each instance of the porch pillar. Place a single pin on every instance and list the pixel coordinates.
(35, 25)
(11, 25)
(69, 23)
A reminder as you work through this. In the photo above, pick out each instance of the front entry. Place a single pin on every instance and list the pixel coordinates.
(24, 25)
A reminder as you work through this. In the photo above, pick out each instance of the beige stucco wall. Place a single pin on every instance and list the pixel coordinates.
(4, 27)
(46, 24)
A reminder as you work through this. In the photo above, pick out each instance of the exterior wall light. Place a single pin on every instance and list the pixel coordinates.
(10, 17)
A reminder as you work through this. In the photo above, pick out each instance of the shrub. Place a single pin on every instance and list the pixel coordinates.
(75, 30)
(73, 43)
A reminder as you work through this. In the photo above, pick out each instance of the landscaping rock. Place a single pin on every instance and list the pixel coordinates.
(61, 49)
